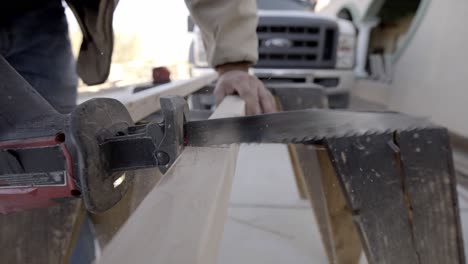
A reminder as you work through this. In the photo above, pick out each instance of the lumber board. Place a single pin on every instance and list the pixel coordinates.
(292, 96)
(334, 218)
(368, 169)
(144, 103)
(312, 174)
(298, 171)
(41, 235)
(345, 238)
(429, 183)
(107, 224)
(317, 180)
(181, 220)
(140, 105)
(401, 188)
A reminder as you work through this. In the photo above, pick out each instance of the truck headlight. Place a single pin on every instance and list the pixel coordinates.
(345, 51)
(200, 57)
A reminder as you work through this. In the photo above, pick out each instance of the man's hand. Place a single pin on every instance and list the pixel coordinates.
(236, 80)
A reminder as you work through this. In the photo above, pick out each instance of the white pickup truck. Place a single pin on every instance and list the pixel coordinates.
(297, 46)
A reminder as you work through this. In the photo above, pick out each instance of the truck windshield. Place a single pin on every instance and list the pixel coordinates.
(283, 4)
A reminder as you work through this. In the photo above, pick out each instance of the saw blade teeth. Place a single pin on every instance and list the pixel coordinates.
(373, 133)
(300, 126)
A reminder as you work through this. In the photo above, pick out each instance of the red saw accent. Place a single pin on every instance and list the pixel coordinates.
(16, 199)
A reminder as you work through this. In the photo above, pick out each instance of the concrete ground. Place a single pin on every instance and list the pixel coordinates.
(267, 222)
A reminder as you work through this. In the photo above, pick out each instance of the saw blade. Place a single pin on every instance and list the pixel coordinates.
(304, 126)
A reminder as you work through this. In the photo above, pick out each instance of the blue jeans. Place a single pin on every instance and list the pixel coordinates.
(37, 45)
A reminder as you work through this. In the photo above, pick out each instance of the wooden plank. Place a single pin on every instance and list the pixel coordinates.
(312, 174)
(430, 187)
(368, 170)
(402, 190)
(317, 181)
(299, 178)
(345, 238)
(107, 224)
(296, 97)
(182, 218)
(140, 105)
(41, 235)
(298, 172)
(334, 218)
(459, 141)
(144, 103)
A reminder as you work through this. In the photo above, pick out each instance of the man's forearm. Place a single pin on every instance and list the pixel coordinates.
(229, 33)
(228, 29)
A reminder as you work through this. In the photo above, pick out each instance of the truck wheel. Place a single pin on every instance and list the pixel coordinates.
(338, 101)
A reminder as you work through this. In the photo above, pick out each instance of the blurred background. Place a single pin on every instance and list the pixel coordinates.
(148, 34)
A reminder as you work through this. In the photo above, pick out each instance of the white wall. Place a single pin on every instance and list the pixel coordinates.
(431, 76)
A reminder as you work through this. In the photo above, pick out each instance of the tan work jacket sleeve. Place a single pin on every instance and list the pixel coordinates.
(228, 29)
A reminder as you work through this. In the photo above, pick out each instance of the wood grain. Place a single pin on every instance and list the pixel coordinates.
(182, 218)
(140, 105)
(293, 96)
(317, 181)
(345, 238)
(429, 183)
(338, 232)
(41, 235)
(298, 171)
(368, 169)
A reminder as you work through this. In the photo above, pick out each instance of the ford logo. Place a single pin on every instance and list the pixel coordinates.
(277, 43)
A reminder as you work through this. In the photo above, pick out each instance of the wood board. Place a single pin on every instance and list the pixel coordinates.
(401, 189)
(140, 105)
(144, 103)
(182, 218)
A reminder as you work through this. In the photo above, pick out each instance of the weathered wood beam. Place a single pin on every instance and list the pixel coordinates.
(40, 235)
(401, 191)
(317, 180)
(182, 218)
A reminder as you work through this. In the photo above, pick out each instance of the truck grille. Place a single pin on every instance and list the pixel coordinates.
(292, 42)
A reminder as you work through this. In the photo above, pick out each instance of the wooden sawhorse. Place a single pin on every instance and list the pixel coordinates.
(392, 195)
